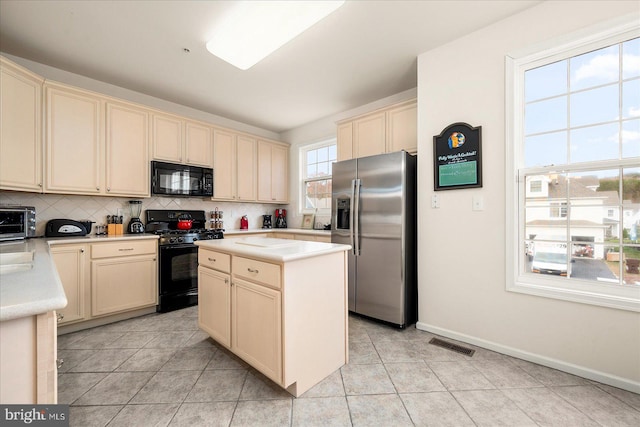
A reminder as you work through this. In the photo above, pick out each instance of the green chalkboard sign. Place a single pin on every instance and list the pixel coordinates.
(457, 157)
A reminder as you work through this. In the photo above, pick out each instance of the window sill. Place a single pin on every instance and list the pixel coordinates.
(611, 296)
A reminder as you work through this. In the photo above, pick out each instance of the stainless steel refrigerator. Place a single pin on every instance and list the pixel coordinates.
(374, 211)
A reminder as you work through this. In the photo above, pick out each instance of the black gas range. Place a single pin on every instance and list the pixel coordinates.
(178, 255)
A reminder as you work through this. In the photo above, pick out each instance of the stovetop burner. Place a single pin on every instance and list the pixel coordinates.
(164, 223)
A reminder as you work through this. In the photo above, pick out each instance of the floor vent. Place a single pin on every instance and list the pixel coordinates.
(453, 347)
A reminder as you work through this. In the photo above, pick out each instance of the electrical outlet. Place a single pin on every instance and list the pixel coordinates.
(435, 201)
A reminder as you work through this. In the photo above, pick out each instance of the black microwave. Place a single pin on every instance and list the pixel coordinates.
(171, 179)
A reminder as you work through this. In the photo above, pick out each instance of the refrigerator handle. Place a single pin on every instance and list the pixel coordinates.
(351, 208)
(356, 214)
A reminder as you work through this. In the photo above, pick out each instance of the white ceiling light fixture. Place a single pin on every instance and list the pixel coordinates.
(251, 30)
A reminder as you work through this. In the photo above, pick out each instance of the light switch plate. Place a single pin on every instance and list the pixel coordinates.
(478, 203)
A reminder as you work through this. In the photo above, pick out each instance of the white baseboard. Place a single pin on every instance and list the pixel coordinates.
(581, 371)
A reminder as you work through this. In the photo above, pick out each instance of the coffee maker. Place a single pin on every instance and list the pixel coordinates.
(281, 218)
(266, 221)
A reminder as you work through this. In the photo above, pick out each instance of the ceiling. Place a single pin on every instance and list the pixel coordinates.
(363, 52)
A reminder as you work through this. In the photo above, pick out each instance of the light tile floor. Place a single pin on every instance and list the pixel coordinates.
(160, 370)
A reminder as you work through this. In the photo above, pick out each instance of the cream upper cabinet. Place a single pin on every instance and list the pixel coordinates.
(71, 264)
(246, 168)
(20, 128)
(167, 138)
(369, 135)
(127, 150)
(345, 141)
(391, 129)
(273, 166)
(234, 166)
(74, 142)
(177, 140)
(402, 128)
(198, 144)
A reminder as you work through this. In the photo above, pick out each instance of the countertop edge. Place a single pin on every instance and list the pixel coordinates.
(311, 232)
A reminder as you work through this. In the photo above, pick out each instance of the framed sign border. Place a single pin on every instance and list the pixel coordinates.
(467, 129)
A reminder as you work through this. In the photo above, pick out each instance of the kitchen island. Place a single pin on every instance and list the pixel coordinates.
(279, 304)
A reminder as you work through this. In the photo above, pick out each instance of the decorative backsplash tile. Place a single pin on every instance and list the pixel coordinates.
(96, 208)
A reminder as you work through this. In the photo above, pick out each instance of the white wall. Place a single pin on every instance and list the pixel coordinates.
(461, 252)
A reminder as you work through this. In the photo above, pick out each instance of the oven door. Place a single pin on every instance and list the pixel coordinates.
(178, 270)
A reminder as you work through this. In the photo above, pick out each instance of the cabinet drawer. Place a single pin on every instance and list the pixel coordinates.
(216, 260)
(123, 248)
(262, 272)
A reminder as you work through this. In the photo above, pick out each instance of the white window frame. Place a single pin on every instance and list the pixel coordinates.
(303, 175)
(588, 292)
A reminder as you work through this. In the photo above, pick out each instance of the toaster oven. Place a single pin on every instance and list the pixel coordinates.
(17, 222)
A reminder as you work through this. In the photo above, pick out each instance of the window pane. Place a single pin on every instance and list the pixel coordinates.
(630, 270)
(311, 156)
(323, 154)
(631, 138)
(594, 143)
(631, 98)
(311, 171)
(595, 68)
(547, 115)
(323, 168)
(631, 188)
(547, 149)
(333, 152)
(583, 111)
(552, 186)
(546, 81)
(631, 59)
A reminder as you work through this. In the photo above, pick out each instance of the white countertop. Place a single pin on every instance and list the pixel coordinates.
(39, 289)
(311, 232)
(270, 249)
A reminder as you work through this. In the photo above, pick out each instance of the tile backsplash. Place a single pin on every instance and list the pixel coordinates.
(96, 208)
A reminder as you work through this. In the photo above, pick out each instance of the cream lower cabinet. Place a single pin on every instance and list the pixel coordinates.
(28, 351)
(287, 320)
(73, 269)
(123, 276)
(215, 316)
(20, 128)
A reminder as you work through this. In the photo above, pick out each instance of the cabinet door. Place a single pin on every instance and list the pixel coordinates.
(273, 164)
(369, 135)
(224, 165)
(70, 261)
(246, 168)
(74, 141)
(402, 128)
(198, 144)
(125, 283)
(167, 138)
(279, 175)
(257, 327)
(345, 141)
(20, 129)
(214, 301)
(127, 151)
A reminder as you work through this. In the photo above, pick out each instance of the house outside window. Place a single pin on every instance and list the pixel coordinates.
(575, 132)
(316, 161)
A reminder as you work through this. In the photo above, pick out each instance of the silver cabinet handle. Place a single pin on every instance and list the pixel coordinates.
(251, 270)
(59, 316)
(81, 251)
(59, 363)
(226, 281)
(98, 188)
(125, 249)
(108, 188)
(212, 259)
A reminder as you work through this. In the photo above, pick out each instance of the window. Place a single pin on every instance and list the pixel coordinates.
(575, 202)
(316, 161)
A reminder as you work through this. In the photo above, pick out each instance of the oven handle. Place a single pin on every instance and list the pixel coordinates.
(188, 245)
